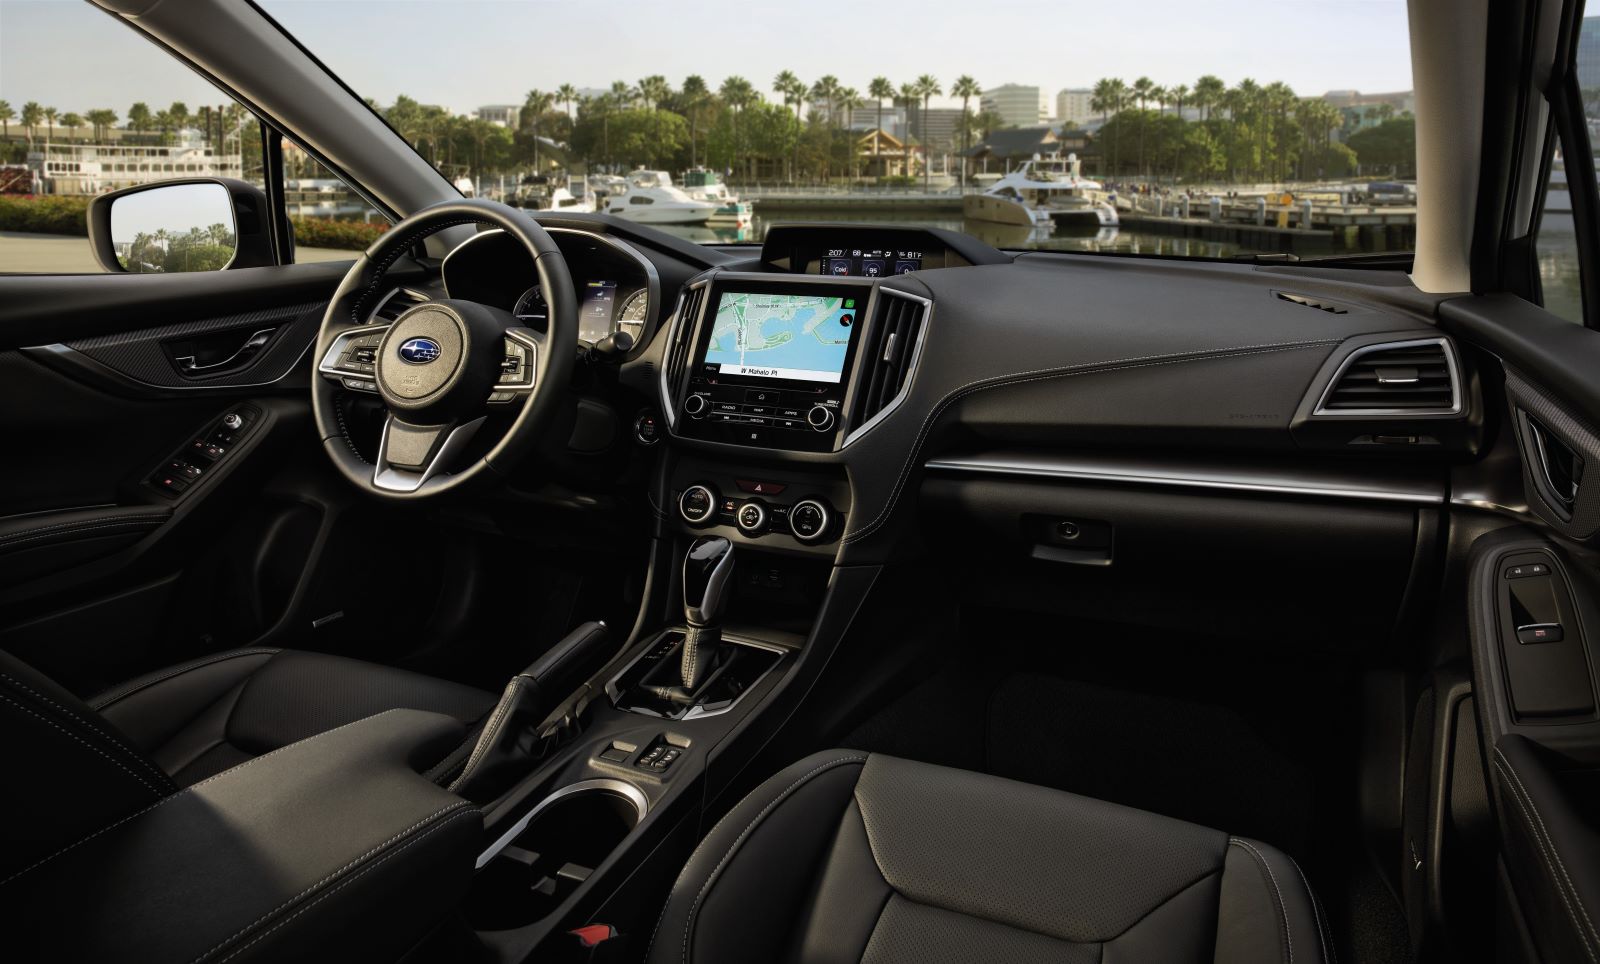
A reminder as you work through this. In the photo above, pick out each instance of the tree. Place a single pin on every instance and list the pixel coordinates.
(102, 119)
(178, 111)
(1142, 89)
(1208, 92)
(1110, 94)
(879, 90)
(737, 93)
(567, 94)
(7, 115)
(534, 106)
(72, 121)
(139, 116)
(826, 90)
(653, 90)
(32, 114)
(50, 115)
(694, 95)
(1390, 146)
(849, 100)
(793, 91)
(927, 88)
(965, 88)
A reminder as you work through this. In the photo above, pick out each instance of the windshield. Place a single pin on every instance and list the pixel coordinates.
(1214, 130)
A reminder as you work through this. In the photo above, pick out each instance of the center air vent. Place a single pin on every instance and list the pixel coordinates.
(888, 354)
(1396, 379)
(677, 360)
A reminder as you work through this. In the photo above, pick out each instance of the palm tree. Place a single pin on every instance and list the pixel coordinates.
(139, 116)
(1279, 99)
(179, 112)
(50, 115)
(965, 88)
(737, 93)
(1142, 89)
(1110, 93)
(653, 90)
(534, 106)
(879, 89)
(695, 93)
(32, 114)
(7, 115)
(793, 90)
(849, 100)
(1241, 105)
(73, 121)
(927, 88)
(567, 94)
(102, 119)
(826, 89)
(1208, 91)
(1179, 94)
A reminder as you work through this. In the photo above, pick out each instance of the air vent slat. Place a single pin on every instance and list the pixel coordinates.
(1396, 380)
(887, 354)
(678, 351)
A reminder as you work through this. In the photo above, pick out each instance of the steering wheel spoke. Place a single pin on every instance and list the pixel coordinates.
(518, 375)
(410, 456)
(351, 359)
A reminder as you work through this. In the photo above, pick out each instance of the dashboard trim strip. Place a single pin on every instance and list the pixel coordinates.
(1193, 477)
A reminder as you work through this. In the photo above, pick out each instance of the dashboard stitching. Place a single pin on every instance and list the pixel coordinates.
(1121, 364)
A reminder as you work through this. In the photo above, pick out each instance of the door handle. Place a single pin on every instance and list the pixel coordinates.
(191, 365)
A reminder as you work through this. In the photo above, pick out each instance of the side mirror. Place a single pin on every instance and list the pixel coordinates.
(190, 224)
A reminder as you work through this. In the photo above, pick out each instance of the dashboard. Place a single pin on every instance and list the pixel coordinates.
(617, 287)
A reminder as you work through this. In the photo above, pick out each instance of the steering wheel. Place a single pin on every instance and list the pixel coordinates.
(442, 365)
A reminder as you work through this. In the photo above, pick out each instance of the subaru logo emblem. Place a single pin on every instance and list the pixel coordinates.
(419, 351)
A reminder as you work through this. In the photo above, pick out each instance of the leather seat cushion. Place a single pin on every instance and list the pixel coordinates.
(202, 717)
(849, 857)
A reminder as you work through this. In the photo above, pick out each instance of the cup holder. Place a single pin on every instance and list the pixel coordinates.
(551, 852)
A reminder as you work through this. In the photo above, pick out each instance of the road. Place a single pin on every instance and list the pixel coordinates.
(22, 253)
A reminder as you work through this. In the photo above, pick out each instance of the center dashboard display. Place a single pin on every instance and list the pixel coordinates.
(794, 337)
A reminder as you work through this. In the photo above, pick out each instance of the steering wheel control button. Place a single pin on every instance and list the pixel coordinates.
(820, 417)
(646, 430)
(696, 406)
(697, 504)
(809, 519)
(752, 517)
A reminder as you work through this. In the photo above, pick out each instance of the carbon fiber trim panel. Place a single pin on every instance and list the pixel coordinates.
(140, 355)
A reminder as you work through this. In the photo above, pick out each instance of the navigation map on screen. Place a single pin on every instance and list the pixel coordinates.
(801, 337)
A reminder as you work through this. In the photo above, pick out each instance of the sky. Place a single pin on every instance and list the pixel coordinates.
(468, 53)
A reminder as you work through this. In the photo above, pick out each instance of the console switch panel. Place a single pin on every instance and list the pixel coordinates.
(1546, 664)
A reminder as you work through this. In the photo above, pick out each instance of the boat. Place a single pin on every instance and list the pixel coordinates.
(1040, 192)
(704, 185)
(651, 198)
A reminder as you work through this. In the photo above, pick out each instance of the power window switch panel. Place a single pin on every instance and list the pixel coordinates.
(1539, 633)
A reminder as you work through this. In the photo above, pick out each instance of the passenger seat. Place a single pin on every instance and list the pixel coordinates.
(850, 856)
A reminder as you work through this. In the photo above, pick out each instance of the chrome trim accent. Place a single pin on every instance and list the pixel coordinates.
(622, 788)
(1194, 477)
(914, 363)
(738, 517)
(1451, 365)
(822, 530)
(652, 278)
(391, 479)
(332, 370)
(695, 712)
(684, 513)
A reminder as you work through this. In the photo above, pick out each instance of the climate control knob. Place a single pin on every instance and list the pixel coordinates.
(697, 504)
(820, 417)
(751, 517)
(696, 405)
(809, 520)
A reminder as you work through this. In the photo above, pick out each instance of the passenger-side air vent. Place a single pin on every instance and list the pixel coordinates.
(1396, 379)
(1328, 306)
(888, 354)
(677, 361)
(395, 304)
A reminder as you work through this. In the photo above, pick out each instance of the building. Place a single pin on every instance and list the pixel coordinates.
(1589, 55)
(937, 127)
(865, 119)
(1072, 105)
(880, 154)
(1016, 105)
(503, 115)
(1402, 101)
(1004, 149)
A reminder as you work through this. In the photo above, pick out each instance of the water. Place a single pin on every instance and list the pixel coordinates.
(1557, 247)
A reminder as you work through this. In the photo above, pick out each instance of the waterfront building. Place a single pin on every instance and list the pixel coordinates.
(1073, 105)
(1004, 149)
(1017, 105)
(75, 167)
(503, 115)
(881, 154)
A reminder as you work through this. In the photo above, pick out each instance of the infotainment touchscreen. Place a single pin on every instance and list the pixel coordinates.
(795, 337)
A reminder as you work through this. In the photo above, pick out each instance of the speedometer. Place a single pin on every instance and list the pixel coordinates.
(634, 313)
(530, 307)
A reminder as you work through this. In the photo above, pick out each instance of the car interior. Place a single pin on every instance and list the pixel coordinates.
(461, 600)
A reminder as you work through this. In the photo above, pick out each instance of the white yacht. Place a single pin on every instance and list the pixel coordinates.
(1041, 192)
(704, 185)
(651, 198)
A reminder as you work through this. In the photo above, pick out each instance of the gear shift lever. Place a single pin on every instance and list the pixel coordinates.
(707, 585)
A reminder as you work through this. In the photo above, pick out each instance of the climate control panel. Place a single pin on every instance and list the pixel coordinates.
(758, 509)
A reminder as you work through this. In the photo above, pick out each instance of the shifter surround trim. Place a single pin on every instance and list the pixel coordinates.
(696, 712)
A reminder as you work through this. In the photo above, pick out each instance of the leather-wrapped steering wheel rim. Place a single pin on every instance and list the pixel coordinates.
(554, 352)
